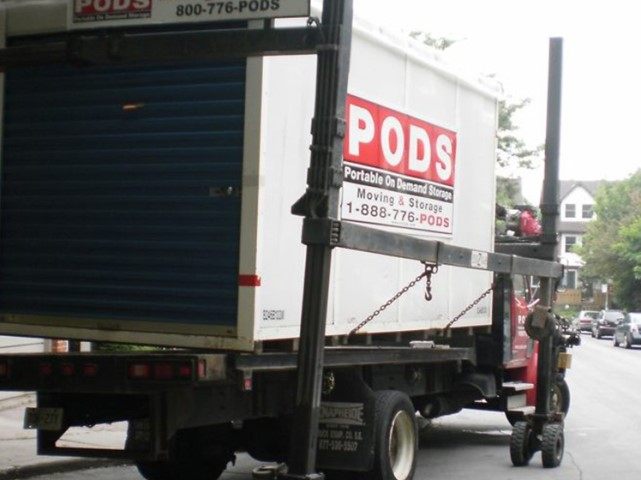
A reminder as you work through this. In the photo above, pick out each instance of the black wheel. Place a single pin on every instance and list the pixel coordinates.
(199, 469)
(560, 397)
(520, 445)
(552, 445)
(615, 341)
(598, 333)
(198, 454)
(627, 342)
(592, 333)
(395, 436)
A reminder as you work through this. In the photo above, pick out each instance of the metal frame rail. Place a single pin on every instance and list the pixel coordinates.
(352, 236)
(330, 40)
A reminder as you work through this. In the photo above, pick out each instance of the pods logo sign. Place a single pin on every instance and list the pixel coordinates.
(100, 10)
(389, 140)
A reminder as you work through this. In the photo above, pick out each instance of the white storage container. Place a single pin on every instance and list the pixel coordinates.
(420, 157)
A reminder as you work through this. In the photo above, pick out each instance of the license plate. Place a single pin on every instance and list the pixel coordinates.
(43, 419)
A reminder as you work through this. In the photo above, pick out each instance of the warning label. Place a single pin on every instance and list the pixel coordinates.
(340, 427)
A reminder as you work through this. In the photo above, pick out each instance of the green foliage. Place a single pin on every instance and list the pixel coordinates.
(612, 245)
(122, 347)
(510, 147)
(508, 192)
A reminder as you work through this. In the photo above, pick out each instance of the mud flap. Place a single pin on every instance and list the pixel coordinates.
(346, 426)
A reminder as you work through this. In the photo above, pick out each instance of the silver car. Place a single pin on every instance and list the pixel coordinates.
(606, 323)
(627, 332)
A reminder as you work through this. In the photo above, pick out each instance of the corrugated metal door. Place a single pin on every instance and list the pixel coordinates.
(121, 193)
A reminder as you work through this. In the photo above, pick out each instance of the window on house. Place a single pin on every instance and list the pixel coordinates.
(569, 279)
(570, 241)
(570, 210)
(588, 211)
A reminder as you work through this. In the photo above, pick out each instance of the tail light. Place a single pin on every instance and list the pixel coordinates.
(202, 369)
(67, 369)
(139, 371)
(45, 369)
(89, 370)
(163, 371)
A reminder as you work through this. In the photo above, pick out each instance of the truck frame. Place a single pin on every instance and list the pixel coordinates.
(337, 404)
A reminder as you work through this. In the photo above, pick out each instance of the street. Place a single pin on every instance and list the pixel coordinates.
(603, 431)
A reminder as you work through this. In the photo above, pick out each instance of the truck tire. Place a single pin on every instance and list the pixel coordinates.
(560, 397)
(194, 455)
(627, 342)
(395, 437)
(520, 445)
(198, 469)
(552, 445)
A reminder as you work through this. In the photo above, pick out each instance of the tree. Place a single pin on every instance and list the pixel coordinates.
(508, 192)
(612, 245)
(511, 149)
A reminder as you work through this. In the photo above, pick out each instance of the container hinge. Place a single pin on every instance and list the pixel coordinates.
(430, 269)
(321, 232)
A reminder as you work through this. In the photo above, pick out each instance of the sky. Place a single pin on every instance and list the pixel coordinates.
(509, 38)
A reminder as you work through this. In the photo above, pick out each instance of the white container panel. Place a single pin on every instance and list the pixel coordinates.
(288, 103)
(390, 73)
(382, 74)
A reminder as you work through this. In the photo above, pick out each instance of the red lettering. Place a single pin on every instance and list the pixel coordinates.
(92, 7)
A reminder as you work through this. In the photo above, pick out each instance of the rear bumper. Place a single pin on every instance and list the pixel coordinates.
(606, 330)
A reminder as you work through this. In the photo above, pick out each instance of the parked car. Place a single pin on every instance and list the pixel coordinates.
(583, 321)
(606, 322)
(628, 332)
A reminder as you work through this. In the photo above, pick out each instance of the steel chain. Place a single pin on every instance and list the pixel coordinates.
(469, 307)
(428, 272)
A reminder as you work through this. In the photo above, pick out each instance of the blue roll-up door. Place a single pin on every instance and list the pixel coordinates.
(121, 193)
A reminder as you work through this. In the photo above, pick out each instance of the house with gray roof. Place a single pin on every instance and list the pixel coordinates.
(577, 198)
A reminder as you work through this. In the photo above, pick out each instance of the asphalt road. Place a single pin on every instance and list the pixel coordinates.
(603, 431)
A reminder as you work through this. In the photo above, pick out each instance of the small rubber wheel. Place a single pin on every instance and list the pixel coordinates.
(520, 446)
(560, 397)
(395, 436)
(552, 445)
